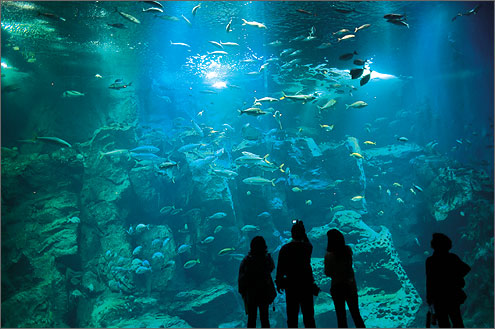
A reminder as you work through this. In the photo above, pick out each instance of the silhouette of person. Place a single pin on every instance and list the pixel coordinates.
(445, 274)
(295, 276)
(255, 282)
(338, 266)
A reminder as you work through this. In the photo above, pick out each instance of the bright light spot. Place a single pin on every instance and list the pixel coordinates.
(376, 75)
(4, 65)
(219, 85)
(211, 75)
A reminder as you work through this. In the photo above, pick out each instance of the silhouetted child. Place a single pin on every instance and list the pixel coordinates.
(295, 276)
(445, 274)
(255, 282)
(338, 266)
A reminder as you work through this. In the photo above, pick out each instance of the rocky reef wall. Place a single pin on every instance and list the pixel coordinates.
(92, 238)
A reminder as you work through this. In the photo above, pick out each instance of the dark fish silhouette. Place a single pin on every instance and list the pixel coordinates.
(356, 73)
(473, 11)
(348, 56)
(394, 16)
(117, 25)
(305, 12)
(365, 79)
(359, 62)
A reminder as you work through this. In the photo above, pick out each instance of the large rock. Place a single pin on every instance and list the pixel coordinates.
(386, 295)
(453, 189)
(39, 237)
(200, 307)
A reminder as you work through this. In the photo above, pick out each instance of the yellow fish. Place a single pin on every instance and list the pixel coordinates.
(309, 202)
(356, 155)
(327, 127)
(357, 198)
(369, 143)
(412, 191)
(296, 189)
(380, 213)
(397, 185)
(399, 200)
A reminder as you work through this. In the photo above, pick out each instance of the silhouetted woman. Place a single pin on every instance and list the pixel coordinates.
(338, 266)
(445, 274)
(255, 282)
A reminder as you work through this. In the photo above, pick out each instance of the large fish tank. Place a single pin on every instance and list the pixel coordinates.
(143, 149)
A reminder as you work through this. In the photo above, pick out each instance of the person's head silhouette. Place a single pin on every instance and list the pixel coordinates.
(336, 240)
(298, 231)
(441, 243)
(258, 245)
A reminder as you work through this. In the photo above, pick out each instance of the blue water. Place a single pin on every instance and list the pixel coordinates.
(431, 82)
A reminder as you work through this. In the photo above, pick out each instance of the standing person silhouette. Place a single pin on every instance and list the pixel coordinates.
(338, 266)
(295, 276)
(255, 282)
(445, 274)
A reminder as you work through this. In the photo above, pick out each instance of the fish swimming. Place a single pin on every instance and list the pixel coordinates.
(218, 215)
(347, 56)
(144, 156)
(128, 16)
(225, 173)
(142, 227)
(356, 73)
(187, 21)
(189, 147)
(191, 263)
(119, 84)
(153, 9)
(197, 128)
(357, 104)
(179, 44)
(227, 28)
(183, 248)
(327, 105)
(365, 79)
(53, 140)
(345, 37)
(359, 62)
(361, 27)
(250, 228)
(254, 23)
(195, 9)
(398, 22)
(225, 251)
(394, 16)
(305, 12)
(145, 149)
(113, 153)
(219, 45)
(277, 116)
(72, 93)
(258, 181)
(254, 111)
(303, 98)
(117, 25)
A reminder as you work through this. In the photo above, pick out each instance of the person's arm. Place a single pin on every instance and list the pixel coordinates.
(329, 260)
(241, 281)
(429, 286)
(281, 271)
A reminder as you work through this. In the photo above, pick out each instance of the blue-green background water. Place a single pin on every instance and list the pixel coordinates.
(431, 82)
